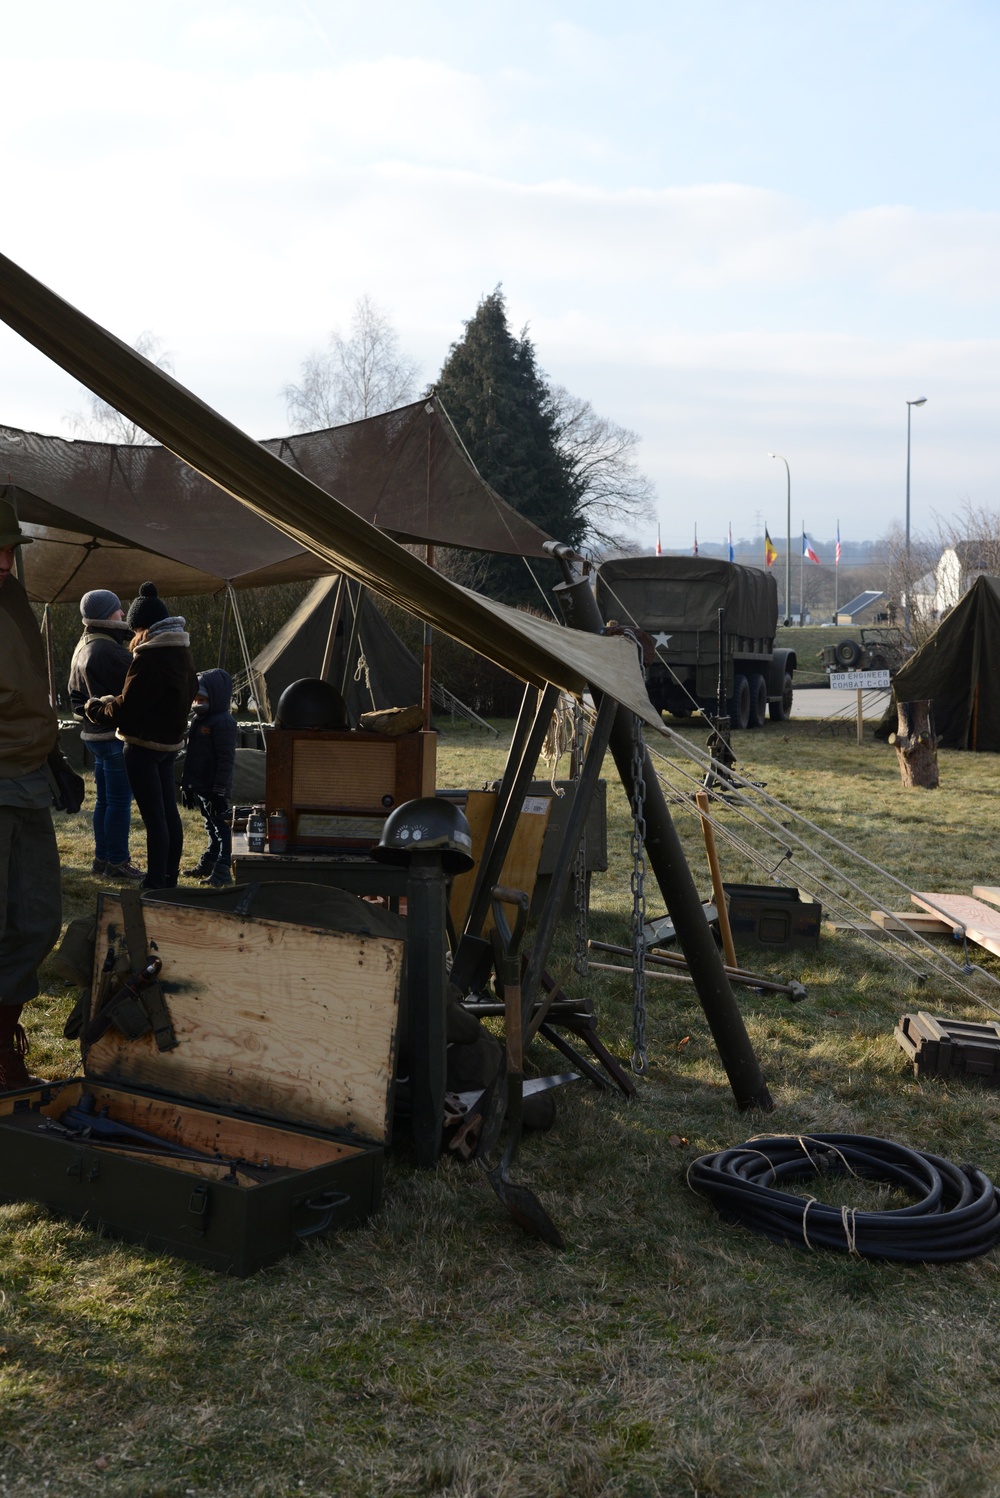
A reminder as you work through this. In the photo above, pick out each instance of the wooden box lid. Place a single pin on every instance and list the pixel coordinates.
(285, 1020)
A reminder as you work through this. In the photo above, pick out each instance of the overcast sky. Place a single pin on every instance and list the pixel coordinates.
(733, 226)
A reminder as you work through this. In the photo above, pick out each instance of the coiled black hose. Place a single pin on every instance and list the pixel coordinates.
(955, 1213)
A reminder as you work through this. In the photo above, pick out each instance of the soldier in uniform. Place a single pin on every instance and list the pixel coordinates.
(30, 893)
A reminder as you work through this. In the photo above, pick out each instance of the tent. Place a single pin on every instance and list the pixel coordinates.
(108, 516)
(280, 493)
(390, 674)
(956, 670)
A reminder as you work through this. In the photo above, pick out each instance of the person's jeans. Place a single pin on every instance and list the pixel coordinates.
(218, 856)
(113, 808)
(30, 899)
(151, 776)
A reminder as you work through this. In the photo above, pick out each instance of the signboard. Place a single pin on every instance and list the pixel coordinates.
(859, 681)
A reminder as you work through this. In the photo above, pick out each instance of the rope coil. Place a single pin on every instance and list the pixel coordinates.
(954, 1214)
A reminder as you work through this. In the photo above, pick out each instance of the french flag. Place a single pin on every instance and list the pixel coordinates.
(808, 552)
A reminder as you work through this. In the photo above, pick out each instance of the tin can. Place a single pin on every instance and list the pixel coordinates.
(256, 830)
(277, 832)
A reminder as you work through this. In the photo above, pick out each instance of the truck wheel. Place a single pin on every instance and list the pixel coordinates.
(758, 700)
(739, 702)
(781, 710)
(848, 653)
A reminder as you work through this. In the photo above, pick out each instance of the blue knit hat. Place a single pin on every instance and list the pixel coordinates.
(100, 603)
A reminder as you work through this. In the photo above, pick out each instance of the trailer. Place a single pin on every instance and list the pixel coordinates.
(713, 625)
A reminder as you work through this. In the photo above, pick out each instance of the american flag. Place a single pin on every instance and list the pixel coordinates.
(836, 560)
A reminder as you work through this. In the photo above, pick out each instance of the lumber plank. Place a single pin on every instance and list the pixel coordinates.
(284, 1020)
(921, 922)
(982, 924)
(990, 892)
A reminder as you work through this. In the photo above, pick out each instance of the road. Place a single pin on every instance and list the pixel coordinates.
(819, 702)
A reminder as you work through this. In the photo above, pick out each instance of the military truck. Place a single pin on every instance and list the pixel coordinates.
(696, 609)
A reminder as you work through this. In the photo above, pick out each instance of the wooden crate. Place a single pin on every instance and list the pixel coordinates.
(283, 1067)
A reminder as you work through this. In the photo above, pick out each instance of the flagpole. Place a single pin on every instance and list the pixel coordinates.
(802, 578)
(836, 579)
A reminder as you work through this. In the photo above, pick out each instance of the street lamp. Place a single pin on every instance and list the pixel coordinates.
(788, 542)
(920, 401)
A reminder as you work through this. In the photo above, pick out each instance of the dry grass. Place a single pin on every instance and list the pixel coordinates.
(437, 1351)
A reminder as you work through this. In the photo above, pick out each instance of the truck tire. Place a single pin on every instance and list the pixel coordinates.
(758, 700)
(781, 710)
(848, 653)
(739, 702)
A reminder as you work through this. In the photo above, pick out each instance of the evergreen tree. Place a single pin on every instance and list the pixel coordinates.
(501, 406)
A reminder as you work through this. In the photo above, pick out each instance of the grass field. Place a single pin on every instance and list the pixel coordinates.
(436, 1350)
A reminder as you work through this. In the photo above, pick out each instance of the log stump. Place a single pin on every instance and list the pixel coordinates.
(915, 743)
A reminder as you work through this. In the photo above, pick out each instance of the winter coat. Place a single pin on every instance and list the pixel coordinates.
(98, 669)
(151, 711)
(28, 724)
(210, 760)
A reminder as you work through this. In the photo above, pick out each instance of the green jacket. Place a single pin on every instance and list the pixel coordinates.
(28, 724)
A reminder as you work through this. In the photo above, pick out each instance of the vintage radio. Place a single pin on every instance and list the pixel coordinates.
(337, 789)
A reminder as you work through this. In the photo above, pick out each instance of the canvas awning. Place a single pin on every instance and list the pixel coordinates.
(534, 649)
(88, 502)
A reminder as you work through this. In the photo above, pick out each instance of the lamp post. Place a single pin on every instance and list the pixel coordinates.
(788, 541)
(920, 401)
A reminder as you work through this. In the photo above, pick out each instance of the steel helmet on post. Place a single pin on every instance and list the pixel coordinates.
(311, 702)
(430, 824)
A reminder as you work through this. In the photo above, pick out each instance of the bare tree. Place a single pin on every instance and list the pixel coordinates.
(104, 423)
(360, 375)
(601, 455)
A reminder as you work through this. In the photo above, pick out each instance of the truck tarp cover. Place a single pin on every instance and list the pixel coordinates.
(956, 670)
(686, 594)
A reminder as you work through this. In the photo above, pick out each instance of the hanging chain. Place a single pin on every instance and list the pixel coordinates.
(639, 1065)
(580, 964)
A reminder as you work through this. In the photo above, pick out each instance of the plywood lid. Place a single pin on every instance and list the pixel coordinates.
(290, 1020)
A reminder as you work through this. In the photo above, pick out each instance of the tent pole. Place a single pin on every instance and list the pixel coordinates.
(227, 613)
(666, 857)
(351, 651)
(50, 655)
(428, 652)
(331, 637)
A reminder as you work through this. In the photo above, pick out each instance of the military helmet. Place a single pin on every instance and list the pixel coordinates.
(430, 824)
(311, 702)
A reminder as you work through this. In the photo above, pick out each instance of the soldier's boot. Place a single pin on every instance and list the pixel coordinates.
(13, 1049)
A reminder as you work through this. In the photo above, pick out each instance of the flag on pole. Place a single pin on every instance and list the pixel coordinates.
(808, 552)
(659, 551)
(837, 557)
(694, 549)
(731, 554)
(770, 550)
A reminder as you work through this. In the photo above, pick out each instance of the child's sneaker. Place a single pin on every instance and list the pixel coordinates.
(127, 871)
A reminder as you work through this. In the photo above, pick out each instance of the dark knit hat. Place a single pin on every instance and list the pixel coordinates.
(147, 609)
(99, 603)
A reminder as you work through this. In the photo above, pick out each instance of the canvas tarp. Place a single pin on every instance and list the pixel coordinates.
(686, 594)
(388, 676)
(89, 503)
(957, 671)
(534, 649)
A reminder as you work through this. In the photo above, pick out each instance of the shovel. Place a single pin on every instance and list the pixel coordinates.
(522, 1204)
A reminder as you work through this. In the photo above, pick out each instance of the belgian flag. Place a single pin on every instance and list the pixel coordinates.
(770, 550)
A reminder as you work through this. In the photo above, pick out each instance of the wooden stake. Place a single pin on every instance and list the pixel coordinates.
(719, 894)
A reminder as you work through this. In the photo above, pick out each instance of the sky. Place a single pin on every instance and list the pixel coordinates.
(735, 227)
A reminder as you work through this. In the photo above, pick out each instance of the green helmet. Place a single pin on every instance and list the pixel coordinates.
(428, 825)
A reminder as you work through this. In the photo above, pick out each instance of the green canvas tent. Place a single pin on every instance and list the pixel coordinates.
(957, 670)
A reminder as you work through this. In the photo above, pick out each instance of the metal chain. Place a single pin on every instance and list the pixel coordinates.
(580, 963)
(639, 1065)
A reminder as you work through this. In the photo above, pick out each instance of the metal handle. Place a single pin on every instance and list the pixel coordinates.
(326, 1203)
